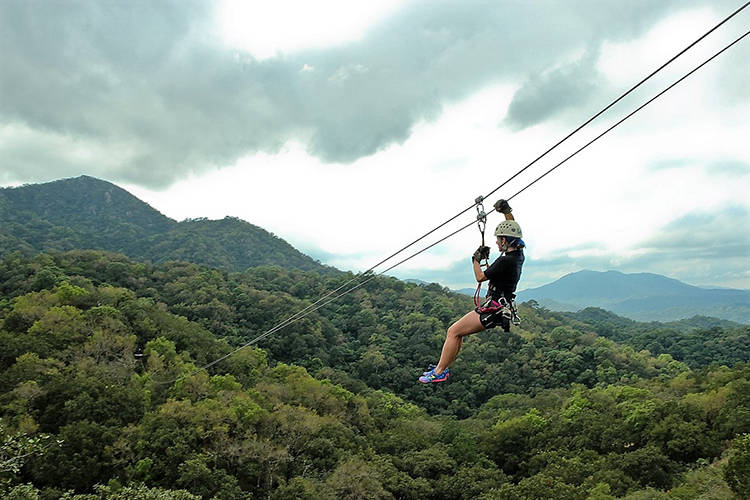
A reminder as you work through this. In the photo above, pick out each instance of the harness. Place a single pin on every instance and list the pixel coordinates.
(505, 307)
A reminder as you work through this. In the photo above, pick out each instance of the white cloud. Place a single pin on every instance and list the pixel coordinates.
(281, 27)
(360, 212)
(626, 62)
(607, 200)
(35, 150)
(417, 107)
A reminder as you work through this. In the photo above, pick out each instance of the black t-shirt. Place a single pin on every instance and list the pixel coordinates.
(504, 274)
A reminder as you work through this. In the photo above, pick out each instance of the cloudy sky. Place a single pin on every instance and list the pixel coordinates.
(350, 128)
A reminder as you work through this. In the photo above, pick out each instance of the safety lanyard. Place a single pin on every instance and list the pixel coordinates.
(483, 263)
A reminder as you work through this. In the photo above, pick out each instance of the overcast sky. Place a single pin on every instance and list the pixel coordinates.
(349, 129)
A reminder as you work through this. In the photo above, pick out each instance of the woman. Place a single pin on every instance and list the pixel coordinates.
(503, 276)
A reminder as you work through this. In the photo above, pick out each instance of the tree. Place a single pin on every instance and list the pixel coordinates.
(354, 479)
(648, 466)
(82, 460)
(737, 471)
(139, 491)
(197, 477)
(18, 447)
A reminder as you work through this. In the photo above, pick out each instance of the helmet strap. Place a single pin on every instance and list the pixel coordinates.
(504, 244)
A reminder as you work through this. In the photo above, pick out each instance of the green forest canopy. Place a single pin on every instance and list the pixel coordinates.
(330, 407)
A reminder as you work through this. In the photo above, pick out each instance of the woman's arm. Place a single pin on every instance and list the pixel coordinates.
(478, 273)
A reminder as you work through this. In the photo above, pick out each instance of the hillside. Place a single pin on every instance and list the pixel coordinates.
(382, 334)
(550, 410)
(88, 213)
(640, 296)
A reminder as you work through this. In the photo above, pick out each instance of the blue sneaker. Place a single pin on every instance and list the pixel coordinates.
(431, 377)
(430, 367)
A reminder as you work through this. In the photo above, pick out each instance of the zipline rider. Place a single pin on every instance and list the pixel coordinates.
(499, 306)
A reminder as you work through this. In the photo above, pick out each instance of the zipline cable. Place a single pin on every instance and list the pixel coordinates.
(629, 91)
(630, 114)
(730, 16)
(634, 87)
(524, 188)
(317, 305)
(291, 320)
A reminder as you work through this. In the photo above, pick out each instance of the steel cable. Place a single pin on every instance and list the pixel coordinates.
(317, 305)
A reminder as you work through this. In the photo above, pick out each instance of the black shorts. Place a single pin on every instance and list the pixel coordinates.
(493, 319)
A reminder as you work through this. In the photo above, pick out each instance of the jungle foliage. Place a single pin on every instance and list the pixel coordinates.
(100, 397)
(697, 341)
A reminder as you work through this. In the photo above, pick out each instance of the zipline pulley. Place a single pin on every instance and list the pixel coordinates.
(481, 223)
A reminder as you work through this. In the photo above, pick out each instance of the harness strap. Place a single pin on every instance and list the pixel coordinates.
(491, 305)
(505, 306)
(483, 263)
(476, 295)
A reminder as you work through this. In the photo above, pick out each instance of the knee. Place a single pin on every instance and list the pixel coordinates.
(453, 331)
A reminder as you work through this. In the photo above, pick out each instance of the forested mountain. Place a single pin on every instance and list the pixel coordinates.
(640, 296)
(98, 386)
(88, 213)
(697, 341)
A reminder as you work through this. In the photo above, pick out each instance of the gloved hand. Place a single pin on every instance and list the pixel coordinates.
(482, 253)
(503, 207)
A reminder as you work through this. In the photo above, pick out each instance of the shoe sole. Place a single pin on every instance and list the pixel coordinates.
(435, 381)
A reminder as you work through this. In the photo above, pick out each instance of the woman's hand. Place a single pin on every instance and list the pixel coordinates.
(482, 253)
(503, 207)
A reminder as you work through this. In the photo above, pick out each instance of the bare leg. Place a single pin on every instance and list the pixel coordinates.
(467, 325)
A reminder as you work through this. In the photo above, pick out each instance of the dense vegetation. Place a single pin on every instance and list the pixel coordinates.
(697, 341)
(89, 213)
(329, 407)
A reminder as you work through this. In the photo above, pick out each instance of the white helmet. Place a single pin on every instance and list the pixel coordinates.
(509, 228)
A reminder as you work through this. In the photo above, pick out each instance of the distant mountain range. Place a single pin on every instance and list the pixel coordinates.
(88, 213)
(640, 296)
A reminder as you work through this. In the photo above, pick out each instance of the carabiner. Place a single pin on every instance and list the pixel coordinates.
(481, 216)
